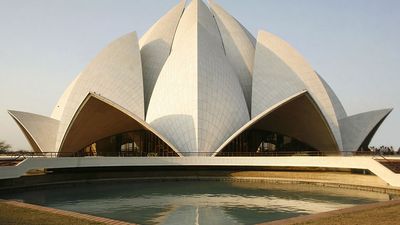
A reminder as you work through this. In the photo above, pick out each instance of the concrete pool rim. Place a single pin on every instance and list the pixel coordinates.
(37, 181)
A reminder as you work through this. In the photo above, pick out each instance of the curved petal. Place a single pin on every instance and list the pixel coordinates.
(41, 131)
(239, 47)
(197, 102)
(337, 105)
(297, 117)
(97, 118)
(60, 106)
(358, 130)
(273, 80)
(308, 76)
(155, 47)
(115, 73)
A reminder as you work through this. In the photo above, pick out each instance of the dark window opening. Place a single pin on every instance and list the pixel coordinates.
(133, 143)
(264, 143)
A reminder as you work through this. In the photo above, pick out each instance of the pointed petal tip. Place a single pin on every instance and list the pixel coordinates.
(181, 3)
(388, 110)
(385, 110)
(13, 112)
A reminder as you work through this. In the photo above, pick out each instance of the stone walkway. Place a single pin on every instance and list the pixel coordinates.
(67, 213)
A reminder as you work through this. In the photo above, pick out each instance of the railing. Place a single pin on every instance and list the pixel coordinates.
(17, 155)
(20, 156)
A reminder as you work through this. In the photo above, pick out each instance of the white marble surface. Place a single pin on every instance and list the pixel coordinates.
(40, 129)
(155, 47)
(115, 73)
(356, 128)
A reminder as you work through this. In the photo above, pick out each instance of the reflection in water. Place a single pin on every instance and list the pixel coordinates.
(196, 202)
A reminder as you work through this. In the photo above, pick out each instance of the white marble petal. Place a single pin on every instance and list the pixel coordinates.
(155, 47)
(197, 102)
(115, 73)
(337, 105)
(307, 75)
(273, 79)
(239, 47)
(98, 118)
(60, 106)
(355, 129)
(41, 131)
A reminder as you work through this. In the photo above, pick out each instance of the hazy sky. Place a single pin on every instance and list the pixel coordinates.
(354, 45)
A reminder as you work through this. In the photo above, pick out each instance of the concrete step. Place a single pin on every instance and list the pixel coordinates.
(9, 162)
(392, 164)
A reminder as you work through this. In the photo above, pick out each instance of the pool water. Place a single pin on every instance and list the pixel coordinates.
(195, 202)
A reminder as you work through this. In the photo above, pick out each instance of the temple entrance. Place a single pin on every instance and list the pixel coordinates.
(134, 143)
(256, 142)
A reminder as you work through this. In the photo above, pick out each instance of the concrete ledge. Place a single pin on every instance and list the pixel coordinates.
(344, 180)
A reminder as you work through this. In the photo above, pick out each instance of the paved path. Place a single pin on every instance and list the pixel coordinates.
(66, 213)
(336, 162)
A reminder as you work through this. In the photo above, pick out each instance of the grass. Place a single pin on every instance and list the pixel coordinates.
(385, 215)
(14, 215)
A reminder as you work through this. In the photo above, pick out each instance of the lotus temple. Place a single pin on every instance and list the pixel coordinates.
(198, 122)
(197, 83)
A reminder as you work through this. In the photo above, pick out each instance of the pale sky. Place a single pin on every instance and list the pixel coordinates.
(354, 45)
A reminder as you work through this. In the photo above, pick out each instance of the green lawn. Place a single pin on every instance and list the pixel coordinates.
(385, 215)
(14, 215)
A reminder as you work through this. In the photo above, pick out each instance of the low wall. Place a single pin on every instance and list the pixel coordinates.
(77, 176)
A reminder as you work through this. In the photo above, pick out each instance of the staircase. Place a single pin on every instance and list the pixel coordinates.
(392, 164)
(11, 161)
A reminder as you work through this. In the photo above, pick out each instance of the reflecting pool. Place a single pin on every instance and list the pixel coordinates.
(195, 202)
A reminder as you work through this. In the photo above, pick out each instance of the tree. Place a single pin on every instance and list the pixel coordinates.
(4, 147)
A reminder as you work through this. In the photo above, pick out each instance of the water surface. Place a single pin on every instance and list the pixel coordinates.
(196, 202)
